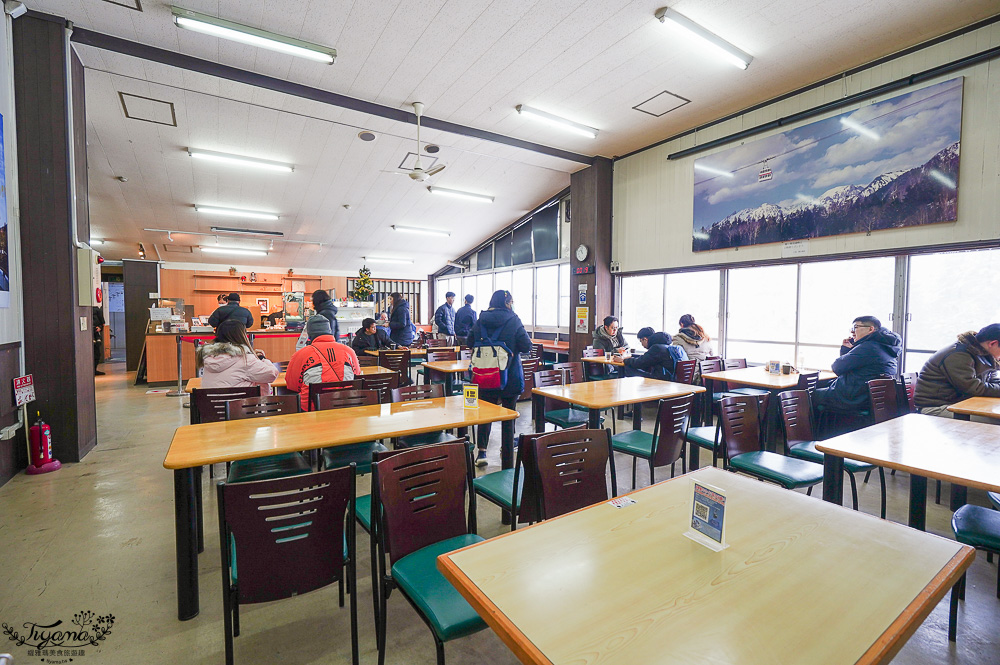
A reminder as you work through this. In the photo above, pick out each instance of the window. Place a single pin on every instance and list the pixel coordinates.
(523, 289)
(565, 303)
(642, 305)
(697, 294)
(762, 312)
(547, 296)
(502, 281)
(483, 292)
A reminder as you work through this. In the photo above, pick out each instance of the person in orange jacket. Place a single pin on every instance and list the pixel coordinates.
(322, 360)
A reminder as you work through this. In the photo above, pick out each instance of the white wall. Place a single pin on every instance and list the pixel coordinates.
(11, 320)
(654, 197)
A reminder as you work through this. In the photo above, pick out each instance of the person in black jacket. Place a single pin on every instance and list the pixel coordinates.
(323, 305)
(658, 362)
(500, 324)
(231, 311)
(97, 324)
(871, 352)
(465, 318)
(400, 326)
(370, 337)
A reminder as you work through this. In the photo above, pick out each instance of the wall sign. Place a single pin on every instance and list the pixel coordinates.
(24, 390)
(582, 314)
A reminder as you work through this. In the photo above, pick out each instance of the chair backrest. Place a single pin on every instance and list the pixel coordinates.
(547, 378)
(741, 429)
(671, 424)
(684, 371)
(208, 405)
(909, 385)
(594, 369)
(734, 363)
(591, 352)
(288, 533)
(465, 354)
(441, 356)
(882, 398)
(381, 383)
(365, 360)
(419, 494)
(413, 393)
(537, 350)
(343, 399)
(316, 389)
(572, 467)
(434, 343)
(261, 407)
(282, 365)
(397, 361)
(529, 367)
(709, 366)
(796, 413)
(575, 370)
(808, 381)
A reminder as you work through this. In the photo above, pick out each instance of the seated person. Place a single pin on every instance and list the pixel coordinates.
(693, 339)
(370, 337)
(959, 371)
(871, 352)
(229, 361)
(320, 361)
(609, 336)
(659, 360)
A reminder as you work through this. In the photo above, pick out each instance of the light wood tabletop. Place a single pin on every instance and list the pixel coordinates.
(448, 366)
(210, 443)
(986, 407)
(414, 353)
(280, 381)
(616, 392)
(604, 361)
(758, 377)
(629, 588)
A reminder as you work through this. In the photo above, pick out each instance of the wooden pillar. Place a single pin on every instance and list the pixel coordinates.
(590, 202)
(58, 337)
(141, 278)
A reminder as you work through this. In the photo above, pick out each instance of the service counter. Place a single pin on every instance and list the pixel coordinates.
(161, 351)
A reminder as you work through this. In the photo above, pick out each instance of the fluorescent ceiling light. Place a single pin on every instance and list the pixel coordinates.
(229, 212)
(556, 121)
(247, 232)
(712, 170)
(736, 56)
(859, 128)
(226, 250)
(384, 259)
(239, 160)
(425, 232)
(245, 34)
(482, 198)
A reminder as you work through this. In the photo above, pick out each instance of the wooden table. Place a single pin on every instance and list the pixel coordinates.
(986, 407)
(604, 361)
(802, 581)
(280, 381)
(758, 377)
(965, 454)
(196, 445)
(415, 352)
(598, 395)
(449, 368)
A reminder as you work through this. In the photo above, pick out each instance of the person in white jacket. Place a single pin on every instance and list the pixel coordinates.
(693, 339)
(229, 361)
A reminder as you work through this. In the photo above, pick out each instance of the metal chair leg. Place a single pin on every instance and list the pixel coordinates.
(652, 479)
(439, 646)
(854, 490)
(881, 477)
(868, 475)
(635, 460)
(937, 493)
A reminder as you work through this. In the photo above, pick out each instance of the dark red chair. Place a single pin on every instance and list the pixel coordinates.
(383, 384)
(261, 407)
(572, 469)
(413, 393)
(398, 362)
(808, 381)
(359, 454)
(316, 389)
(272, 466)
(882, 398)
(366, 360)
(685, 370)
(666, 444)
(208, 405)
(555, 411)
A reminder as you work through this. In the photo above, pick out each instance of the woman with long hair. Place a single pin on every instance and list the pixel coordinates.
(230, 361)
(693, 339)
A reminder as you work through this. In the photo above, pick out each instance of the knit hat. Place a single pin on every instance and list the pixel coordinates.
(233, 297)
(318, 325)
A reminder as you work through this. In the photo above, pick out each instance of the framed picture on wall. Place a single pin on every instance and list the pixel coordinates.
(262, 302)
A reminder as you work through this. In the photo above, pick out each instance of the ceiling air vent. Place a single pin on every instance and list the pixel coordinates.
(661, 104)
(147, 109)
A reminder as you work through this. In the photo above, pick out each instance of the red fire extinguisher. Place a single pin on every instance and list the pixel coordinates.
(40, 448)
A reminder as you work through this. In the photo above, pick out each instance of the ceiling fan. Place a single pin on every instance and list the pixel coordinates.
(417, 172)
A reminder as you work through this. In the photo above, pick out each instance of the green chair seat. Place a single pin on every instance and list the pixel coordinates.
(498, 487)
(703, 437)
(363, 511)
(633, 442)
(425, 439)
(808, 452)
(268, 468)
(718, 397)
(785, 471)
(448, 614)
(994, 498)
(977, 526)
(359, 453)
(567, 418)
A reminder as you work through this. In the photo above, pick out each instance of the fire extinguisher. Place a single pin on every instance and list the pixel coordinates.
(40, 448)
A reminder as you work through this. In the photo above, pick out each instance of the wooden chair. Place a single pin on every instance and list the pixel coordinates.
(741, 363)
(882, 398)
(272, 466)
(554, 411)
(685, 371)
(576, 373)
(808, 381)
(908, 385)
(595, 371)
(800, 442)
(412, 394)
(465, 354)
(382, 383)
(419, 512)
(261, 407)
(317, 389)
(208, 405)
(279, 551)
(365, 360)
(572, 469)
(537, 351)
(359, 454)
(530, 366)
(666, 444)
(432, 343)
(431, 376)
(397, 361)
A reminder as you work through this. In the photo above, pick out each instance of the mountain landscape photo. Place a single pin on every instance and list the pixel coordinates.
(888, 165)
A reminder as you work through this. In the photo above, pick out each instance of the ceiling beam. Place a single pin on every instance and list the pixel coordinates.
(163, 56)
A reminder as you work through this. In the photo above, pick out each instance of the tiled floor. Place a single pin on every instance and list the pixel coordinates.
(98, 536)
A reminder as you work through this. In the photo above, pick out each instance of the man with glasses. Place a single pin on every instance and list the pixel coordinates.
(871, 352)
(967, 368)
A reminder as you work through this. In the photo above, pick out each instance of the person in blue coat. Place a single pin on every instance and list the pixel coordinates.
(660, 359)
(871, 352)
(500, 324)
(400, 326)
(465, 318)
(444, 319)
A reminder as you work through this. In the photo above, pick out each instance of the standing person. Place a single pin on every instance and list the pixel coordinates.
(869, 353)
(231, 310)
(465, 318)
(500, 324)
(322, 360)
(400, 326)
(444, 318)
(370, 337)
(229, 361)
(323, 305)
(97, 324)
(693, 339)
(959, 371)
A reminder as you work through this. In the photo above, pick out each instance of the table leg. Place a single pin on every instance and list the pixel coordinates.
(918, 502)
(637, 416)
(448, 384)
(693, 455)
(186, 534)
(507, 444)
(594, 417)
(538, 412)
(959, 496)
(772, 422)
(199, 509)
(833, 479)
(962, 416)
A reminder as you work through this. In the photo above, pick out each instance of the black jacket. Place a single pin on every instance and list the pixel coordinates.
(503, 325)
(658, 360)
(329, 310)
(400, 325)
(465, 318)
(874, 356)
(231, 311)
(363, 341)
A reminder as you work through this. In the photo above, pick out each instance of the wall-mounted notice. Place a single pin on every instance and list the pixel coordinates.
(708, 516)
(582, 314)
